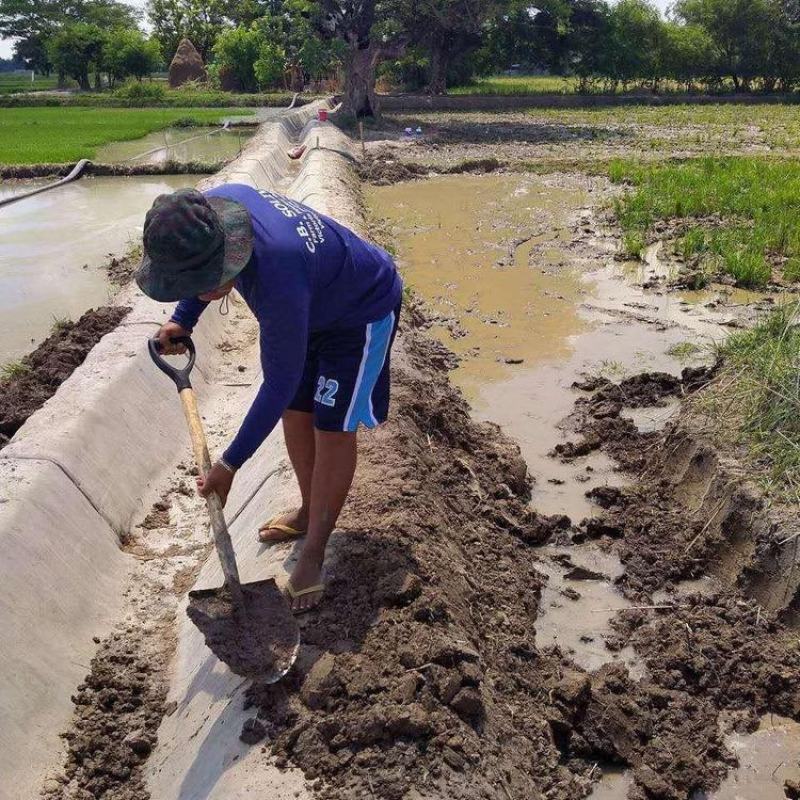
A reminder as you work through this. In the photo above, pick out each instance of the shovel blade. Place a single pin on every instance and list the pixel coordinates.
(260, 640)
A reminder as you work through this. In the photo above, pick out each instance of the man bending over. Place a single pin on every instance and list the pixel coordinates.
(327, 303)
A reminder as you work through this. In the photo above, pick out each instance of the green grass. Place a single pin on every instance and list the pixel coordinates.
(14, 369)
(512, 85)
(62, 135)
(741, 213)
(12, 84)
(684, 351)
(173, 98)
(756, 398)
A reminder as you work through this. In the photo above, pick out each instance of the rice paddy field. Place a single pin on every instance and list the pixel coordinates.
(61, 135)
(14, 84)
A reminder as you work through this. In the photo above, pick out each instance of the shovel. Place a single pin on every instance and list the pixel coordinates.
(247, 626)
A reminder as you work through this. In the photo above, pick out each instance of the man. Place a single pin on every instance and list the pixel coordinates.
(327, 303)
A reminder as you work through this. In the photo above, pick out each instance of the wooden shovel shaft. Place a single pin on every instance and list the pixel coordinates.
(222, 538)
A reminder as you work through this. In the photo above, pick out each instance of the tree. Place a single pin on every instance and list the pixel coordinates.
(75, 50)
(351, 23)
(739, 31)
(783, 57)
(521, 34)
(127, 52)
(235, 52)
(635, 42)
(687, 54)
(32, 52)
(585, 40)
(445, 28)
(295, 28)
(198, 20)
(33, 22)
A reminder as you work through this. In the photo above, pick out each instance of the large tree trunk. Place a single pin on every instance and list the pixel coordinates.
(440, 60)
(360, 98)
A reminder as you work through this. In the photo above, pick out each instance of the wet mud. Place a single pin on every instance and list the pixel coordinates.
(40, 373)
(658, 520)
(256, 640)
(421, 667)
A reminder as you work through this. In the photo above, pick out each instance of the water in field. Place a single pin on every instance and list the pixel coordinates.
(523, 285)
(53, 247)
(207, 145)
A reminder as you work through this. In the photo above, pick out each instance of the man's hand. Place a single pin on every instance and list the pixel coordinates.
(218, 480)
(167, 331)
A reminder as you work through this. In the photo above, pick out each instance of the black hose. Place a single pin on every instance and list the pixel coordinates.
(74, 174)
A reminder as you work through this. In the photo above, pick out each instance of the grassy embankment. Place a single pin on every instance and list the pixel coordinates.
(739, 215)
(755, 401)
(62, 135)
(12, 84)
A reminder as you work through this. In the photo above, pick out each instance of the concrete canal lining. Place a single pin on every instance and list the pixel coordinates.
(87, 466)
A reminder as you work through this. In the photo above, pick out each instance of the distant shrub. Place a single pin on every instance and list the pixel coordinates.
(141, 93)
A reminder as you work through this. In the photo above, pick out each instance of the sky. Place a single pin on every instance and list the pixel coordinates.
(6, 46)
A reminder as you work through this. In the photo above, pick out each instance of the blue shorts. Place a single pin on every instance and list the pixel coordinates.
(345, 380)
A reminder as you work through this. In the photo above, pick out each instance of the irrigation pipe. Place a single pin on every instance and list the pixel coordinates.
(176, 144)
(74, 174)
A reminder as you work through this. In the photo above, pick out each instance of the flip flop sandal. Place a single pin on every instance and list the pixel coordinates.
(288, 532)
(295, 594)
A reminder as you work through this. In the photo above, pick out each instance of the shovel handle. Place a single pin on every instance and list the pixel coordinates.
(179, 376)
(222, 538)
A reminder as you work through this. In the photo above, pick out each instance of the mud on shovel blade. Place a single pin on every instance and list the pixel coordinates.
(247, 626)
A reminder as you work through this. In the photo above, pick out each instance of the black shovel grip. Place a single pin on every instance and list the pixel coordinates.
(179, 376)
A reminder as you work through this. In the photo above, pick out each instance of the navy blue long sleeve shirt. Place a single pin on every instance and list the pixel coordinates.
(307, 274)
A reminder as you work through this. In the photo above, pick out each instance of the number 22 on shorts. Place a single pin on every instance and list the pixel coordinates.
(326, 391)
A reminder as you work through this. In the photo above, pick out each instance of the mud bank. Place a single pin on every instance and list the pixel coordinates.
(413, 102)
(628, 541)
(26, 171)
(39, 374)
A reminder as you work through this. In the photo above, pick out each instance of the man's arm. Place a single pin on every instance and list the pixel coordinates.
(284, 338)
(187, 312)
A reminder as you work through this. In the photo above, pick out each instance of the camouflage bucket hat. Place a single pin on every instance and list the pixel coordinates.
(192, 245)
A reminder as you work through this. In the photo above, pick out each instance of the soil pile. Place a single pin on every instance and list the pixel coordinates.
(420, 676)
(260, 639)
(41, 372)
(118, 709)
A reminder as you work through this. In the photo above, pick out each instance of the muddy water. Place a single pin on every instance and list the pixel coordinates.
(53, 246)
(767, 758)
(527, 291)
(204, 144)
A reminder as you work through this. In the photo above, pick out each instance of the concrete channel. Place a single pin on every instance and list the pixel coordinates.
(88, 466)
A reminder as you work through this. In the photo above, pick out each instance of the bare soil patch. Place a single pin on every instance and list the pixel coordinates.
(40, 373)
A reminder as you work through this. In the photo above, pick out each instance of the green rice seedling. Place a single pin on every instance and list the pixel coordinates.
(633, 244)
(684, 351)
(63, 135)
(756, 399)
(14, 369)
(60, 324)
(747, 208)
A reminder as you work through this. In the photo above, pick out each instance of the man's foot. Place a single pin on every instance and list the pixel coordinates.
(305, 587)
(284, 527)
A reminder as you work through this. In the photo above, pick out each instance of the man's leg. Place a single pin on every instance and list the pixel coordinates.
(298, 431)
(334, 467)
